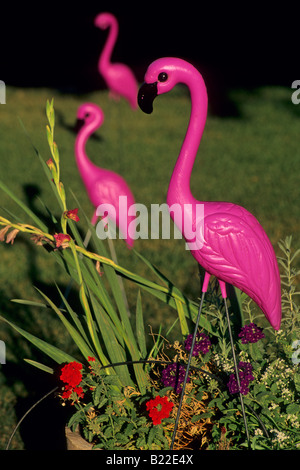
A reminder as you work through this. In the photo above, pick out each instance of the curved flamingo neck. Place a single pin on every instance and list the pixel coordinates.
(179, 187)
(105, 56)
(84, 164)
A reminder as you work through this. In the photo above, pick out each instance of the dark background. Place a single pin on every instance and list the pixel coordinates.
(234, 45)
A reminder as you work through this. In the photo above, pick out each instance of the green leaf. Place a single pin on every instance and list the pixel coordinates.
(75, 335)
(49, 136)
(297, 252)
(151, 437)
(29, 302)
(23, 206)
(293, 409)
(114, 350)
(153, 268)
(114, 282)
(101, 402)
(49, 178)
(87, 310)
(297, 381)
(50, 113)
(45, 168)
(91, 326)
(196, 418)
(140, 328)
(56, 354)
(75, 419)
(255, 350)
(74, 316)
(38, 365)
(182, 319)
(167, 294)
(189, 307)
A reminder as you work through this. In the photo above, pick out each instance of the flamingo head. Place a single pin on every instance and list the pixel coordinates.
(161, 76)
(104, 20)
(89, 113)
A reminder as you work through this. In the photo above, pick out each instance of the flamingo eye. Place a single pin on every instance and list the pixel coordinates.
(162, 77)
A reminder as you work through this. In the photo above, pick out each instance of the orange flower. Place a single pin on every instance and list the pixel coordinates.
(10, 237)
(39, 239)
(62, 240)
(98, 268)
(3, 232)
(72, 214)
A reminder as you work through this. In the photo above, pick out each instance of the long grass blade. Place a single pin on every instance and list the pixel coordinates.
(74, 317)
(53, 352)
(140, 327)
(182, 319)
(40, 366)
(44, 166)
(169, 293)
(114, 350)
(75, 335)
(23, 206)
(153, 268)
(29, 302)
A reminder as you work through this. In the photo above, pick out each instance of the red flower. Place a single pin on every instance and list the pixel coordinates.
(68, 390)
(72, 214)
(62, 240)
(79, 391)
(71, 375)
(91, 359)
(159, 408)
(67, 393)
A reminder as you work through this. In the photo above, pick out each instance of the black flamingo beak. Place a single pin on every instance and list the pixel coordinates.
(147, 94)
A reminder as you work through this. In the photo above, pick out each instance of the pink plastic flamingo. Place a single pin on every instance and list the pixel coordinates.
(235, 247)
(103, 186)
(119, 77)
(231, 244)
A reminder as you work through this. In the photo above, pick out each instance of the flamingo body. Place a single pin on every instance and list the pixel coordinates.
(232, 245)
(103, 186)
(118, 77)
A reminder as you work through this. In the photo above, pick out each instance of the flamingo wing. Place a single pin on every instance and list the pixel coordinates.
(122, 82)
(237, 250)
(109, 190)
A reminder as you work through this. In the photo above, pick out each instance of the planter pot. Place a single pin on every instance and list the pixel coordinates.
(75, 441)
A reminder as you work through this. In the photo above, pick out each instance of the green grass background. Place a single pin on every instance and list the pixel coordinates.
(251, 159)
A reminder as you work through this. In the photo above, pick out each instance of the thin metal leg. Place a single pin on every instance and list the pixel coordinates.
(187, 372)
(237, 374)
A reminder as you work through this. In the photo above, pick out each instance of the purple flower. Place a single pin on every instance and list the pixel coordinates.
(173, 376)
(202, 344)
(251, 333)
(245, 376)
